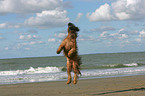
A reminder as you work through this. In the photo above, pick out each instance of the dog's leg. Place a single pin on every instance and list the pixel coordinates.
(69, 77)
(71, 52)
(69, 65)
(75, 73)
(60, 47)
(75, 78)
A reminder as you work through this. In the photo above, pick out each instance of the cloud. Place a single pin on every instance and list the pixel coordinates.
(6, 48)
(35, 42)
(129, 9)
(103, 28)
(28, 6)
(67, 4)
(119, 10)
(32, 31)
(113, 36)
(27, 48)
(87, 38)
(49, 13)
(25, 45)
(1, 38)
(141, 37)
(31, 43)
(48, 19)
(60, 35)
(104, 34)
(28, 37)
(101, 14)
(142, 34)
(119, 36)
(9, 25)
(51, 40)
(78, 17)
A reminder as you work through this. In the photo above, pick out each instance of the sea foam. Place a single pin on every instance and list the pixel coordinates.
(32, 70)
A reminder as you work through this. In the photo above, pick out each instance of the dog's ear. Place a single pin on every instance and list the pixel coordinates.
(77, 29)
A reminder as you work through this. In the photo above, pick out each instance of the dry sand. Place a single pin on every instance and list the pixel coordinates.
(116, 86)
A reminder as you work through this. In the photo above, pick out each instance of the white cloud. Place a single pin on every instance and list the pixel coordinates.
(32, 31)
(6, 48)
(138, 40)
(119, 36)
(28, 37)
(129, 9)
(48, 19)
(123, 36)
(32, 43)
(119, 10)
(21, 37)
(135, 32)
(49, 13)
(3, 25)
(87, 38)
(1, 38)
(104, 34)
(103, 28)
(111, 37)
(78, 17)
(101, 14)
(27, 48)
(52, 40)
(60, 35)
(28, 6)
(26, 45)
(142, 34)
(9, 25)
(128, 32)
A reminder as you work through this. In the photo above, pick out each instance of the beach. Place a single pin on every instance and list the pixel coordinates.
(115, 86)
(108, 74)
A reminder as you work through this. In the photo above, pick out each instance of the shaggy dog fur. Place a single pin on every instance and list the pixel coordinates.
(69, 47)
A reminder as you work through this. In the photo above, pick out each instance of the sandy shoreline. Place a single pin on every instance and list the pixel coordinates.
(116, 86)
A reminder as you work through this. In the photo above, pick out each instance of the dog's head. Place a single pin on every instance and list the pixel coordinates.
(72, 27)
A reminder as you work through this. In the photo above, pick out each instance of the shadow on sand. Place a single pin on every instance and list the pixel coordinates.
(135, 89)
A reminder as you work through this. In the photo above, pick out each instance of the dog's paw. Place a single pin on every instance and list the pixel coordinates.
(68, 82)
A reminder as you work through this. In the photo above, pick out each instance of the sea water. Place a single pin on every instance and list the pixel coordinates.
(43, 69)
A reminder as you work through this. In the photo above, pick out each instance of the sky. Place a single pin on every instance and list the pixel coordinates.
(35, 28)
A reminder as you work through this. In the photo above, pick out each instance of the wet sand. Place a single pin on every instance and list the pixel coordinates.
(116, 86)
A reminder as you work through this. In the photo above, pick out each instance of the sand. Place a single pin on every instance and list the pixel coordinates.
(116, 86)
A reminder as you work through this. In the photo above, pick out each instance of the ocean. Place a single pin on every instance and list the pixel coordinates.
(44, 69)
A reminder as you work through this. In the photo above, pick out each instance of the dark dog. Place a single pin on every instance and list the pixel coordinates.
(69, 47)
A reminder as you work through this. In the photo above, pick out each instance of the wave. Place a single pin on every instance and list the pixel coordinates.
(32, 70)
(123, 65)
(108, 66)
(49, 69)
(56, 75)
(42, 74)
(114, 72)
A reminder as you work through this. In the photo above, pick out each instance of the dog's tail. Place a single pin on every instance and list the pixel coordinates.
(78, 65)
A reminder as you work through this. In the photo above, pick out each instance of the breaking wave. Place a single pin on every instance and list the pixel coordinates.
(108, 66)
(32, 70)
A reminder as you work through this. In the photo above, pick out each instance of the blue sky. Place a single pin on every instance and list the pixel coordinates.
(33, 28)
